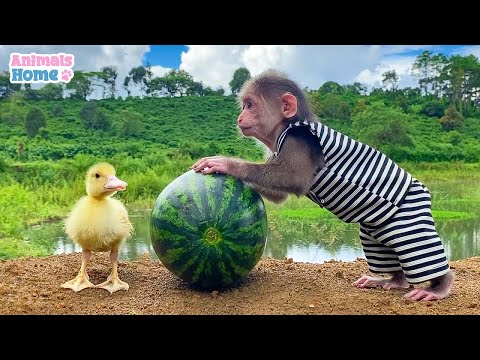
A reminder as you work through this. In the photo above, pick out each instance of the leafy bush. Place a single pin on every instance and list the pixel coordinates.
(452, 120)
(382, 127)
(34, 121)
(434, 108)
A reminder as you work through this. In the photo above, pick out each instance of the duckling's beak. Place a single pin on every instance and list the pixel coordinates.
(115, 183)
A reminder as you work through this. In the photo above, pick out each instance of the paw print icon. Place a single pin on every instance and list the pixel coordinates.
(66, 75)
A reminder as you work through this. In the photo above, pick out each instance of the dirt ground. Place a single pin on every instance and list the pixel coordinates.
(32, 286)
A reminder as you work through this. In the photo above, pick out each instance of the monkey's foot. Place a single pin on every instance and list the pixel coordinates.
(395, 282)
(439, 289)
(79, 283)
(113, 284)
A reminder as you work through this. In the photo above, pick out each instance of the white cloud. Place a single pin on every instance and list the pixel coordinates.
(467, 50)
(159, 71)
(214, 65)
(310, 65)
(87, 57)
(401, 65)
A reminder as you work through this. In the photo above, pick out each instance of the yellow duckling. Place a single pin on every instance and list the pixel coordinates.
(99, 223)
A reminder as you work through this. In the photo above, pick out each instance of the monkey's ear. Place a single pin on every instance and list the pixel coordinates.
(289, 105)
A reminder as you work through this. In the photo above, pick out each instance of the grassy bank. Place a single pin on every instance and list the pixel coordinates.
(44, 191)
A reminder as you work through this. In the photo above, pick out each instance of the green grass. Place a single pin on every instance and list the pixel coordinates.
(451, 215)
(305, 214)
(45, 180)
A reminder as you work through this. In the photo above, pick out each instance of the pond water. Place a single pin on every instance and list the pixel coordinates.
(325, 239)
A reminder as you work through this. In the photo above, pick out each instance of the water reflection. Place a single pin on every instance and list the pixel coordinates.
(314, 243)
(132, 249)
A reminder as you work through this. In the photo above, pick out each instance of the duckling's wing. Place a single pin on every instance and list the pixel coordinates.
(123, 216)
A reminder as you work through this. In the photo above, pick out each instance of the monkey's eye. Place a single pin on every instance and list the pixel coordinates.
(97, 176)
(248, 104)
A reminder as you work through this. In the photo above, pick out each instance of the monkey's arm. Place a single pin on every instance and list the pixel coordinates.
(272, 195)
(292, 171)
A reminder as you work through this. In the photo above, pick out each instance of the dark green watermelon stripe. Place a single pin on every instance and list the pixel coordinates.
(193, 250)
(240, 219)
(247, 195)
(209, 182)
(169, 213)
(182, 200)
(237, 269)
(160, 232)
(238, 205)
(198, 272)
(194, 193)
(182, 268)
(187, 208)
(229, 192)
(253, 229)
(246, 218)
(243, 248)
(225, 273)
(173, 254)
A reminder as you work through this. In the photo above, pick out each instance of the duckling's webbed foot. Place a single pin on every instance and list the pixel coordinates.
(81, 281)
(113, 282)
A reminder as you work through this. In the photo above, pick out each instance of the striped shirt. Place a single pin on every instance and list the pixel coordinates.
(358, 183)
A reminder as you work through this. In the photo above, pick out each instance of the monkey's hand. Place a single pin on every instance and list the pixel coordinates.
(216, 164)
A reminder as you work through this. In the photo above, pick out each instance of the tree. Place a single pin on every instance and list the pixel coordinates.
(439, 61)
(14, 109)
(109, 75)
(30, 94)
(390, 79)
(356, 88)
(93, 117)
(6, 87)
(360, 106)
(381, 126)
(131, 123)
(34, 121)
(51, 92)
(80, 85)
(423, 68)
(434, 108)
(174, 83)
(147, 80)
(240, 76)
(140, 76)
(460, 79)
(126, 85)
(332, 106)
(452, 120)
(331, 87)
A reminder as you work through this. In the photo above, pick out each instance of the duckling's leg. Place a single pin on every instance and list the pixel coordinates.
(113, 282)
(81, 281)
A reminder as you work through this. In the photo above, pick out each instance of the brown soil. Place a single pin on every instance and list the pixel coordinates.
(32, 286)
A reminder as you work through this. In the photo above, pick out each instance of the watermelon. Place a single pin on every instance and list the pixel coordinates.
(209, 230)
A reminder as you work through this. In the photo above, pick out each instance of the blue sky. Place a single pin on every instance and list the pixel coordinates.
(214, 65)
(170, 55)
(166, 55)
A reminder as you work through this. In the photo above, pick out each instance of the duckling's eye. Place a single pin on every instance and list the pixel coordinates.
(97, 176)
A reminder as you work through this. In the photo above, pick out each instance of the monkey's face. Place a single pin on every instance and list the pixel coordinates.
(257, 119)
